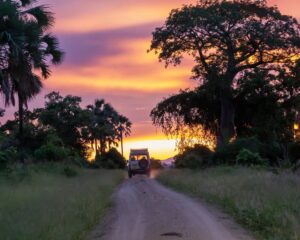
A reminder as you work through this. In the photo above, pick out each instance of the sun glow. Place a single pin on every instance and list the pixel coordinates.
(159, 148)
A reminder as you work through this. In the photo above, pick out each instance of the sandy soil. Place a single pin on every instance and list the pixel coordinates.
(146, 210)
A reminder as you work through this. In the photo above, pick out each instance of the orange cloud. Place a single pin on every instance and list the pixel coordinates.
(83, 16)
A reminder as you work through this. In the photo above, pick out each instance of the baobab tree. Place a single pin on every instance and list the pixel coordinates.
(226, 39)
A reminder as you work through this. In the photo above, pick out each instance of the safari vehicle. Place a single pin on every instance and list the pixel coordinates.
(139, 162)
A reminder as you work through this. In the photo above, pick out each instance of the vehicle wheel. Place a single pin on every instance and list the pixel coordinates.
(129, 174)
(143, 164)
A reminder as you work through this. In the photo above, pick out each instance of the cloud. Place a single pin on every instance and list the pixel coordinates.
(83, 15)
(83, 48)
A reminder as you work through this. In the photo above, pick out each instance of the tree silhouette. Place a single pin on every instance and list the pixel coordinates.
(226, 39)
(25, 49)
(106, 126)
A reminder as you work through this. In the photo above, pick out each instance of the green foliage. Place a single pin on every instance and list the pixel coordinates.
(248, 158)
(7, 156)
(52, 151)
(227, 154)
(271, 152)
(111, 160)
(67, 118)
(63, 130)
(196, 157)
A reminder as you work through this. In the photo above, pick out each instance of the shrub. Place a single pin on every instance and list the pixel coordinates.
(111, 160)
(7, 157)
(228, 153)
(248, 158)
(196, 157)
(51, 153)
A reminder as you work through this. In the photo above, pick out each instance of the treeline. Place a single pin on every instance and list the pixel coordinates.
(64, 131)
(246, 107)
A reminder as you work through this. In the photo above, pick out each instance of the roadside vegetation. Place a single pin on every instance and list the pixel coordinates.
(265, 202)
(54, 201)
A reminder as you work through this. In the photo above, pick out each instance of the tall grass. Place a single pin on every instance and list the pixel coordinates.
(49, 205)
(264, 202)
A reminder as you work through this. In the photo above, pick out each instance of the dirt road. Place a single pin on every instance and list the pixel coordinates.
(145, 210)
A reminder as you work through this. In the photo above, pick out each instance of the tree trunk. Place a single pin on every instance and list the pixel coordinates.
(21, 130)
(102, 146)
(122, 146)
(96, 149)
(227, 126)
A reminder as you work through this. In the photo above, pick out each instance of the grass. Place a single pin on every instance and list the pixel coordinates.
(47, 202)
(264, 202)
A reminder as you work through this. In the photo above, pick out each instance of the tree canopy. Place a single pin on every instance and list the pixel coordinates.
(63, 125)
(26, 46)
(266, 106)
(227, 39)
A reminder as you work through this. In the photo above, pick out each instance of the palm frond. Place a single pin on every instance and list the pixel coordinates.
(42, 15)
(52, 49)
(27, 2)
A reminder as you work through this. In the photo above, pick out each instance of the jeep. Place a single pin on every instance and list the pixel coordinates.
(139, 162)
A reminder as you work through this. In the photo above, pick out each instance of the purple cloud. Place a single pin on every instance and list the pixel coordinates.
(83, 48)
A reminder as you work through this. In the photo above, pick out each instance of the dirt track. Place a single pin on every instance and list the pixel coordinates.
(145, 210)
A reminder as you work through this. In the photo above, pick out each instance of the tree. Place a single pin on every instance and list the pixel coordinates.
(227, 39)
(107, 126)
(31, 53)
(266, 105)
(189, 116)
(123, 128)
(67, 118)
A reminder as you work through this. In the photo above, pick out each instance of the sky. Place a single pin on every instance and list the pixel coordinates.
(106, 46)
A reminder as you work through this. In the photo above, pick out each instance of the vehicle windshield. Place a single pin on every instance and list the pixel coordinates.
(138, 157)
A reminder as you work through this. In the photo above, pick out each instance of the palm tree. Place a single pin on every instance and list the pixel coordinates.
(123, 128)
(107, 126)
(26, 60)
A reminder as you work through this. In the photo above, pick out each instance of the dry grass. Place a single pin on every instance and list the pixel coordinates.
(266, 203)
(48, 205)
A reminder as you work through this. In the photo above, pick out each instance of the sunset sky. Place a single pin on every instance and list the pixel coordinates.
(106, 46)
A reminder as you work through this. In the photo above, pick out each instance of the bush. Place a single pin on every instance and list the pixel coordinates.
(51, 153)
(248, 158)
(7, 157)
(228, 154)
(196, 157)
(111, 160)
